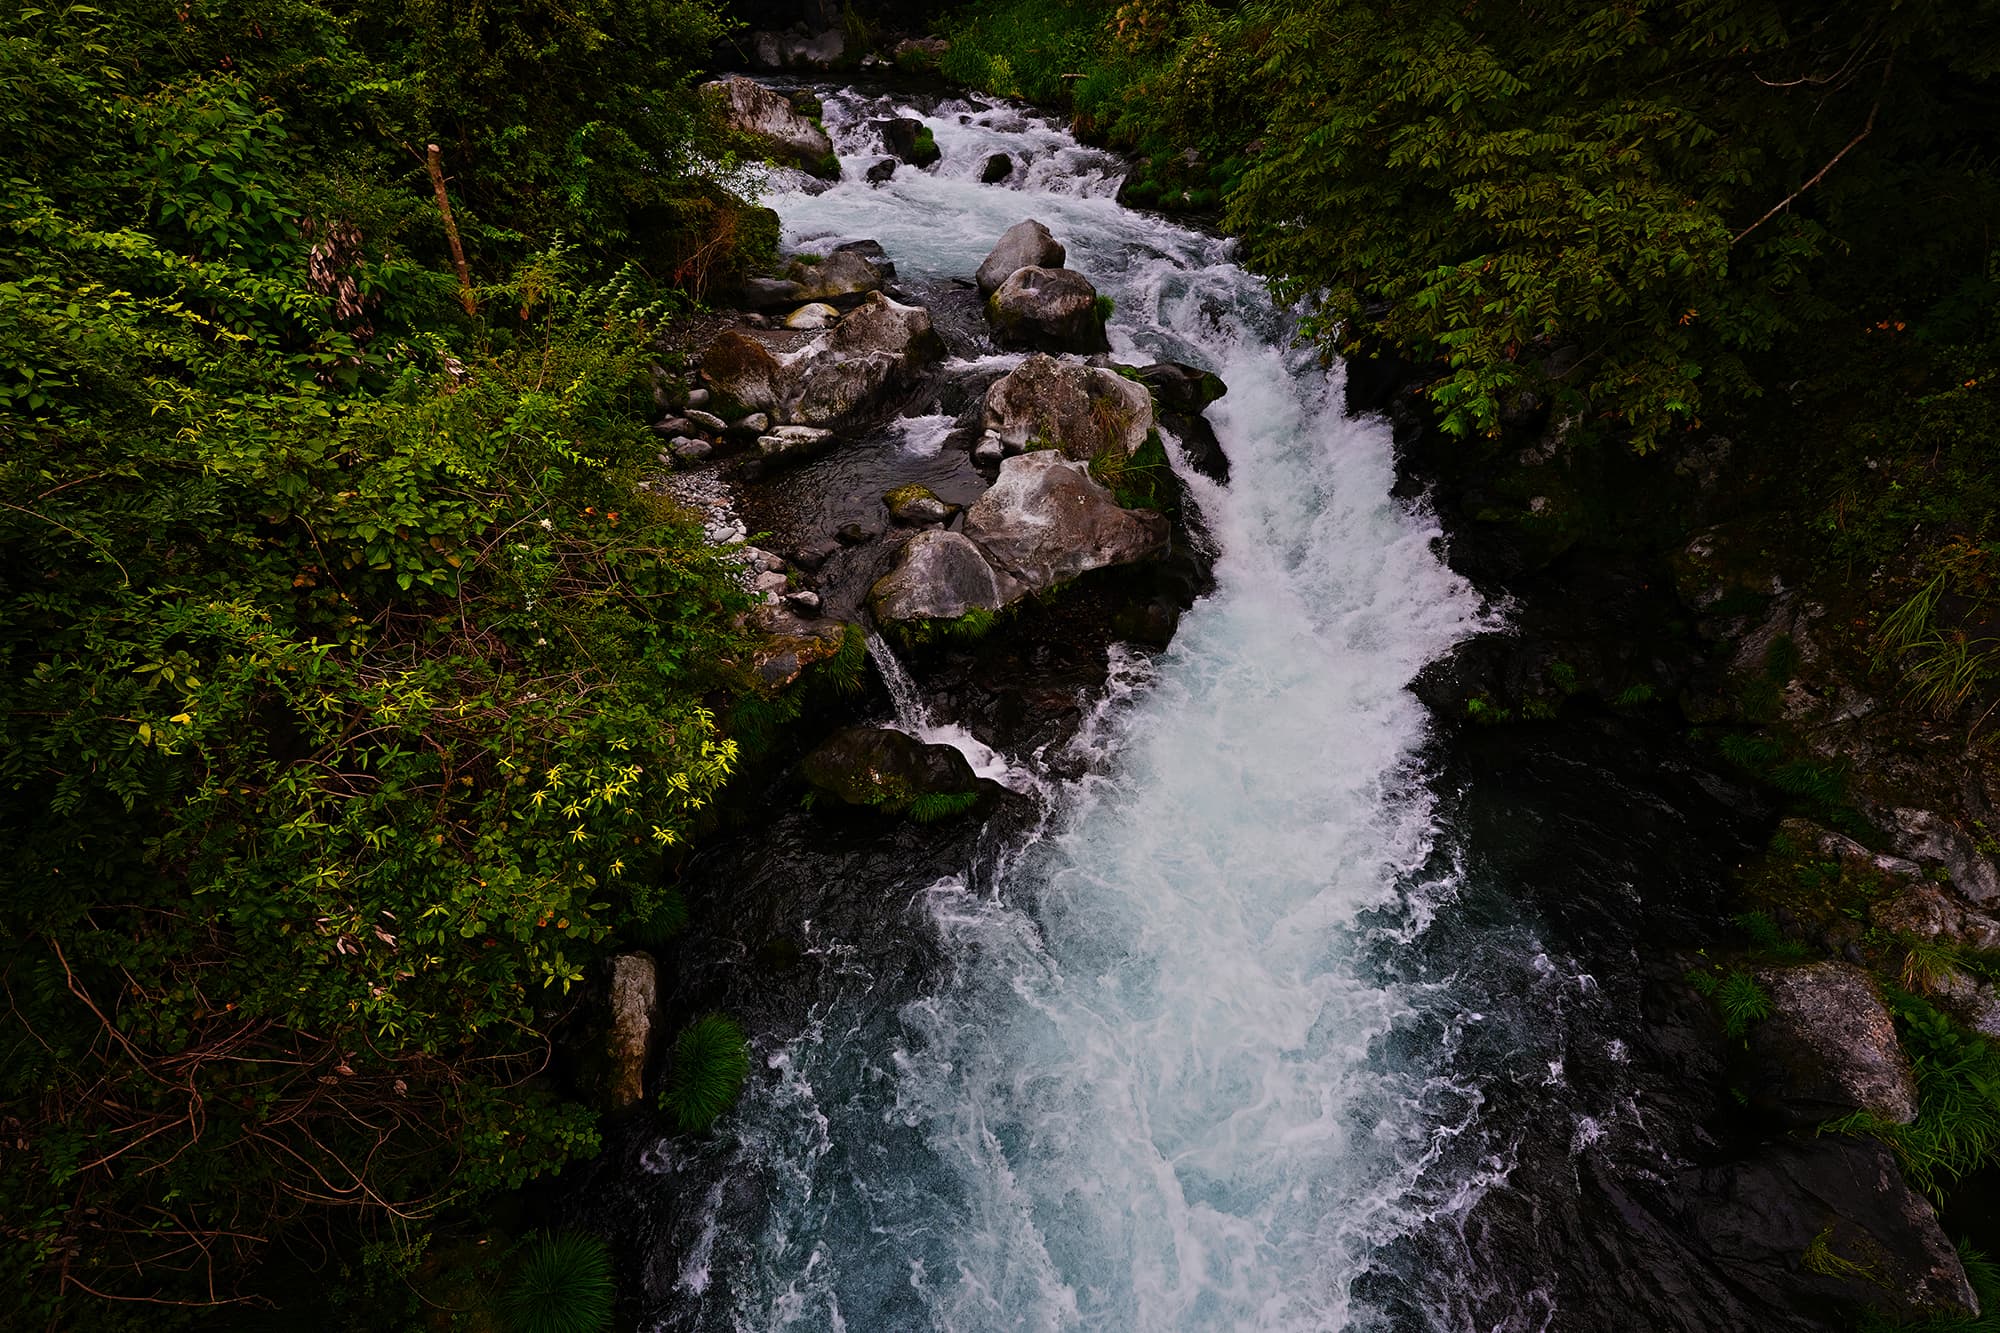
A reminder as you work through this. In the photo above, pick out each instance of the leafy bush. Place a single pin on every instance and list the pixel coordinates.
(711, 1061)
(561, 1284)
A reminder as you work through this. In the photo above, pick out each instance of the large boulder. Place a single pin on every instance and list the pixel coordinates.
(886, 769)
(1080, 410)
(1828, 1048)
(940, 575)
(1023, 245)
(751, 109)
(1045, 520)
(880, 346)
(1049, 309)
(787, 643)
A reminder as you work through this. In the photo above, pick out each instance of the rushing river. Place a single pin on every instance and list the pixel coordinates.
(1165, 1082)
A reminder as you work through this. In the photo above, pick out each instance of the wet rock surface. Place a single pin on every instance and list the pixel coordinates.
(1079, 409)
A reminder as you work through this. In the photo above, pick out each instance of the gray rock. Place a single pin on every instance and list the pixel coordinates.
(794, 444)
(1081, 410)
(770, 583)
(1925, 836)
(1023, 245)
(1045, 520)
(634, 1003)
(879, 346)
(881, 171)
(989, 451)
(940, 575)
(855, 534)
(820, 51)
(841, 279)
(1049, 309)
(706, 421)
(673, 426)
(804, 602)
(751, 109)
(1927, 911)
(691, 451)
(999, 167)
(816, 315)
(917, 506)
(697, 398)
(1828, 1048)
(754, 424)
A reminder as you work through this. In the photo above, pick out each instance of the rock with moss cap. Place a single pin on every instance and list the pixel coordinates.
(916, 506)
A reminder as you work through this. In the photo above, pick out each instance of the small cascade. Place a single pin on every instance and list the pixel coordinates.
(911, 715)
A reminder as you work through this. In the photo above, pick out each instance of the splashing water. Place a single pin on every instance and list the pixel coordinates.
(1156, 1089)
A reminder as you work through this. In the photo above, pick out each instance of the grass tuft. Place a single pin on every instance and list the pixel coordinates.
(711, 1062)
(561, 1284)
(935, 805)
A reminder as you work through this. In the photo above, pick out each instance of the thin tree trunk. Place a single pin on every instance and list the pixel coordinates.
(435, 161)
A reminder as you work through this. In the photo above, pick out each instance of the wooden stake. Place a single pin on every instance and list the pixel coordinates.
(435, 161)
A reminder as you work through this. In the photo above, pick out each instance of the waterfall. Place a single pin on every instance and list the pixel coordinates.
(1159, 1085)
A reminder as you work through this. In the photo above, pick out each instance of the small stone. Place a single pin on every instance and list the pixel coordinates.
(805, 602)
(697, 398)
(769, 582)
(989, 451)
(881, 171)
(854, 534)
(673, 426)
(692, 451)
(998, 168)
(707, 421)
(813, 315)
(754, 424)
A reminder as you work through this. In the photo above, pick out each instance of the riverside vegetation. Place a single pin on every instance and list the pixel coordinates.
(356, 698)
(353, 695)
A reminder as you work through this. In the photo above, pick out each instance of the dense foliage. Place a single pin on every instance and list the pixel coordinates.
(351, 688)
(1616, 208)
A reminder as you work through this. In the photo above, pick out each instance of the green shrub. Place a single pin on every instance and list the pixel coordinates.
(561, 1284)
(711, 1060)
(1736, 995)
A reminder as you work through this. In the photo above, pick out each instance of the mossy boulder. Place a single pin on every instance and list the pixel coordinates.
(1082, 411)
(916, 506)
(887, 770)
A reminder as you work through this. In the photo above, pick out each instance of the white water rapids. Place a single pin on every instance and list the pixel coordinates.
(1154, 1089)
